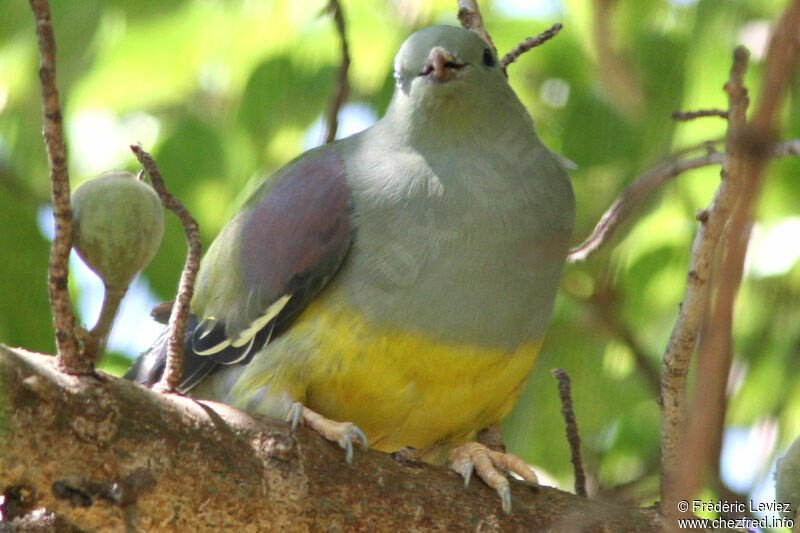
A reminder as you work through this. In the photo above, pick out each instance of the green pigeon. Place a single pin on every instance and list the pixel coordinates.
(393, 288)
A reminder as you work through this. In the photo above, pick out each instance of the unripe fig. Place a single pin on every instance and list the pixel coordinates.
(787, 479)
(118, 225)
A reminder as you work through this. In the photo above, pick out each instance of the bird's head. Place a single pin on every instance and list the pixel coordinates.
(436, 63)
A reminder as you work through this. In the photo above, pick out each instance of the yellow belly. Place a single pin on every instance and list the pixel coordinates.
(399, 387)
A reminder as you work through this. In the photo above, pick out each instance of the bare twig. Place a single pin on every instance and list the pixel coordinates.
(470, 18)
(685, 116)
(342, 87)
(675, 364)
(641, 188)
(573, 437)
(69, 358)
(706, 417)
(527, 44)
(180, 311)
(747, 150)
(632, 196)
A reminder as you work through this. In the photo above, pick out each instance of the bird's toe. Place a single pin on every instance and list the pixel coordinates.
(488, 464)
(342, 433)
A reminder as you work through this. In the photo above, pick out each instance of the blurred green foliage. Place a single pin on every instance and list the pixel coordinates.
(222, 93)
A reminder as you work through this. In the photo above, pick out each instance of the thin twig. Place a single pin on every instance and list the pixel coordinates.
(646, 184)
(342, 87)
(675, 362)
(180, 311)
(69, 358)
(574, 439)
(633, 195)
(470, 18)
(685, 116)
(527, 44)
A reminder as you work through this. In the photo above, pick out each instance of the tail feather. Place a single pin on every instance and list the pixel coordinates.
(149, 367)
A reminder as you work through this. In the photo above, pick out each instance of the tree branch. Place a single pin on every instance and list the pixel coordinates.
(528, 44)
(691, 115)
(103, 453)
(675, 363)
(469, 15)
(747, 159)
(633, 195)
(646, 184)
(573, 437)
(180, 310)
(342, 87)
(69, 356)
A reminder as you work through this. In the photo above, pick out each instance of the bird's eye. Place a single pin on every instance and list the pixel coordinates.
(488, 58)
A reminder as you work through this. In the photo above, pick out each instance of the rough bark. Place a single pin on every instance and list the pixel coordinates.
(102, 454)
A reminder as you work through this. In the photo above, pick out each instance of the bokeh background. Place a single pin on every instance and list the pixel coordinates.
(224, 92)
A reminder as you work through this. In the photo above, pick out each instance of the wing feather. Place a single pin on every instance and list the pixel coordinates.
(288, 241)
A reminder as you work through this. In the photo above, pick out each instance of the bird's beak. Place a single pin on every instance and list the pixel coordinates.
(441, 66)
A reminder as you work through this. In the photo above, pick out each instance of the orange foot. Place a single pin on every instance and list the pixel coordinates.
(343, 433)
(485, 462)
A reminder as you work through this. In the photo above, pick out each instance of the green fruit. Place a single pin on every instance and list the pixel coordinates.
(787, 479)
(118, 225)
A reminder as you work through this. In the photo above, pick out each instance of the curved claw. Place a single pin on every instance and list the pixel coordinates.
(466, 473)
(463, 465)
(349, 434)
(342, 433)
(505, 498)
(487, 464)
(294, 416)
(348, 450)
(361, 438)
